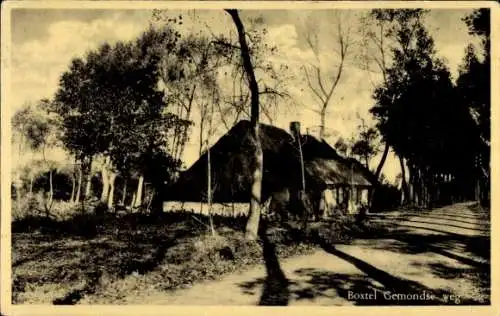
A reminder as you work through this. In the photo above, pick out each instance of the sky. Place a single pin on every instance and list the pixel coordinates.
(45, 40)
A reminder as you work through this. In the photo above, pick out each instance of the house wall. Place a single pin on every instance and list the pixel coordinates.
(328, 202)
(334, 197)
(226, 209)
(343, 197)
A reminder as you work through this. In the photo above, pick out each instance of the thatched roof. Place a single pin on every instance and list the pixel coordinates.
(325, 166)
(231, 166)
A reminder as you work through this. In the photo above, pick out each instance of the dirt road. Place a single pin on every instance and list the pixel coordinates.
(433, 257)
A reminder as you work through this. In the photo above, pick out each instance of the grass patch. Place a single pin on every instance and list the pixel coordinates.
(90, 258)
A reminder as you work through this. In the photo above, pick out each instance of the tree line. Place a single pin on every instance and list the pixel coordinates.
(426, 118)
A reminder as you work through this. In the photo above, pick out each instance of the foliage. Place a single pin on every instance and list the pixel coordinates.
(342, 146)
(271, 76)
(111, 106)
(417, 108)
(474, 81)
(474, 89)
(187, 69)
(41, 131)
(38, 128)
(365, 146)
(28, 206)
(473, 86)
(478, 23)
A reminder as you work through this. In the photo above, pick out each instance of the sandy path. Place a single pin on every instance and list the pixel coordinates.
(428, 253)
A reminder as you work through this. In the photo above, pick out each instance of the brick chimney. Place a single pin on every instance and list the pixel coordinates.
(295, 129)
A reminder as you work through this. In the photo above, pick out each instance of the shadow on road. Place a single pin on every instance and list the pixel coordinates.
(275, 291)
(372, 285)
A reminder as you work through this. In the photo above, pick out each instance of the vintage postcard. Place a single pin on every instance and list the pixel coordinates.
(173, 157)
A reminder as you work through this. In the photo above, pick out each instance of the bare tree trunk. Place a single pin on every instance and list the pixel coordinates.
(417, 188)
(73, 187)
(79, 185)
(382, 161)
(124, 193)
(209, 173)
(422, 188)
(49, 204)
(111, 195)
(302, 193)
(202, 126)
(73, 182)
(478, 190)
(404, 184)
(51, 186)
(177, 131)
(105, 181)
(18, 185)
(18, 180)
(202, 123)
(427, 197)
(31, 184)
(138, 195)
(412, 198)
(132, 203)
(186, 128)
(378, 171)
(88, 185)
(256, 189)
(322, 126)
(302, 169)
(252, 226)
(209, 191)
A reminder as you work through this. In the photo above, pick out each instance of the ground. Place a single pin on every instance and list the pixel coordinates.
(439, 256)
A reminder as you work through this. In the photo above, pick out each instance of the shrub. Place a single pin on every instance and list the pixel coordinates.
(386, 197)
(337, 231)
(31, 205)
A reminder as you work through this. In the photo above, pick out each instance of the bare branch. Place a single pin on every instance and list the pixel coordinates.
(223, 115)
(266, 113)
(268, 90)
(335, 83)
(309, 40)
(320, 81)
(222, 43)
(312, 87)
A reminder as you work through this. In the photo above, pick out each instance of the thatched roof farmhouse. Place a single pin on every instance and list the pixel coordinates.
(324, 168)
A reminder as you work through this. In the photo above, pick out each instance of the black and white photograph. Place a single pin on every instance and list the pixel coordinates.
(247, 155)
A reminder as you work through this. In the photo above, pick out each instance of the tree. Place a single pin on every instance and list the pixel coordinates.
(364, 147)
(192, 73)
(399, 27)
(80, 118)
(112, 108)
(210, 189)
(30, 172)
(473, 85)
(322, 84)
(40, 130)
(375, 54)
(252, 226)
(18, 121)
(271, 75)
